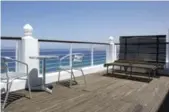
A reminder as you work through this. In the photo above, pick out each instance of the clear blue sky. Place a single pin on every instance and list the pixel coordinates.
(86, 21)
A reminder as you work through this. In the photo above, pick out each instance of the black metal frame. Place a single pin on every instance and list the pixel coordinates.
(77, 42)
(59, 41)
(10, 38)
(158, 43)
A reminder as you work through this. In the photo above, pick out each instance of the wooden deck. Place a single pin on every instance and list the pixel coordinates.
(102, 94)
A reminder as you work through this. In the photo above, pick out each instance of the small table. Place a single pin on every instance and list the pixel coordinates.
(43, 58)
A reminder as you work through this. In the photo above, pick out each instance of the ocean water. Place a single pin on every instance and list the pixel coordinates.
(99, 57)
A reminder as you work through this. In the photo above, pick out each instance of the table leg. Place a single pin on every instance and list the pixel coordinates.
(48, 90)
(44, 78)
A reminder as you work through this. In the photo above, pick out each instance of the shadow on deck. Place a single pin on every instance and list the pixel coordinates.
(12, 97)
(164, 105)
(137, 77)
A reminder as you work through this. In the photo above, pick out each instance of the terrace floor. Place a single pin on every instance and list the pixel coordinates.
(102, 94)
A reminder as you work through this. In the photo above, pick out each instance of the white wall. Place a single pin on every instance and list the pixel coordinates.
(53, 77)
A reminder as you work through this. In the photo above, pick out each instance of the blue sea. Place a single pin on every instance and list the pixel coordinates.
(99, 57)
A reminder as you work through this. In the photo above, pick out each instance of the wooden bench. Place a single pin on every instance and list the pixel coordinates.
(125, 65)
(150, 67)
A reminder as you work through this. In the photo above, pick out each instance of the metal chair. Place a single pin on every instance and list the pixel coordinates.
(76, 58)
(8, 77)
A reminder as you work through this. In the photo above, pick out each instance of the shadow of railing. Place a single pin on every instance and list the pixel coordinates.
(164, 105)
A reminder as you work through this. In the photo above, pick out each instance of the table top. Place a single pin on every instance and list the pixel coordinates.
(44, 57)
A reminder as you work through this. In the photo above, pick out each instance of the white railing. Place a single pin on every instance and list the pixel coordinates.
(29, 46)
(94, 53)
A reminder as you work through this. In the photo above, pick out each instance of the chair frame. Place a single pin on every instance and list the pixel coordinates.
(9, 80)
(70, 70)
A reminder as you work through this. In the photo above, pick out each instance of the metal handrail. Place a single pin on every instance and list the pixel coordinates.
(68, 55)
(10, 38)
(131, 36)
(59, 41)
(8, 58)
(77, 42)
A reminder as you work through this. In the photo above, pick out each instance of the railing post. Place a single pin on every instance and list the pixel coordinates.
(107, 53)
(29, 47)
(92, 58)
(17, 56)
(70, 57)
(167, 51)
(111, 51)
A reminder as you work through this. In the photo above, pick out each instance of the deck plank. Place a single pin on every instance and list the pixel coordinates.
(102, 94)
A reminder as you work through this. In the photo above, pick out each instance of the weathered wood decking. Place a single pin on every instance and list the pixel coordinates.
(103, 94)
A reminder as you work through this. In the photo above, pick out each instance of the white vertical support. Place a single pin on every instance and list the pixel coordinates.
(70, 57)
(167, 50)
(29, 47)
(16, 56)
(107, 54)
(112, 50)
(92, 58)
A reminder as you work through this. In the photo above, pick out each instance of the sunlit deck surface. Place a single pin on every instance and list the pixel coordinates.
(103, 94)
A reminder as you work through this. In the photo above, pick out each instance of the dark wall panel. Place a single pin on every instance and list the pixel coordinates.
(147, 48)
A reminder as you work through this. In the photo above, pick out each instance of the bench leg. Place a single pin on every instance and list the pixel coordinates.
(155, 73)
(107, 69)
(113, 69)
(130, 71)
(120, 68)
(149, 73)
(125, 70)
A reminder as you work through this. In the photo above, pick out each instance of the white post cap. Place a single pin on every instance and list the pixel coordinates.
(28, 30)
(111, 39)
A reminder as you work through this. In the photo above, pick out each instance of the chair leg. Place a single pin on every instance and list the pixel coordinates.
(59, 77)
(70, 84)
(73, 75)
(7, 94)
(84, 77)
(29, 88)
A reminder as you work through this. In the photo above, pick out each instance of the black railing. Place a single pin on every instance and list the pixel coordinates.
(78, 42)
(59, 41)
(10, 38)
